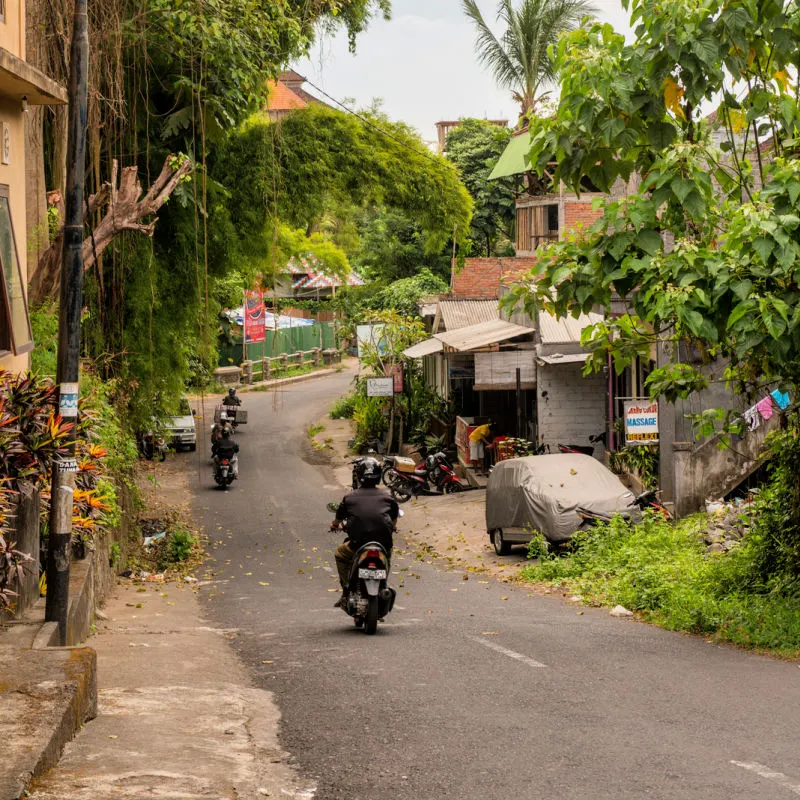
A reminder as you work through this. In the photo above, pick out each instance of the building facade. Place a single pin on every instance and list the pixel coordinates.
(21, 86)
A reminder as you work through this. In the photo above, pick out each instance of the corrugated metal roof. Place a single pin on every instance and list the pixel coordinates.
(455, 314)
(474, 337)
(560, 358)
(426, 348)
(427, 309)
(564, 331)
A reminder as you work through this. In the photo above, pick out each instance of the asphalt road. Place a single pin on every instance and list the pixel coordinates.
(471, 689)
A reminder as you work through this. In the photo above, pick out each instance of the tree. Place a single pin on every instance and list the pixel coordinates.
(318, 160)
(392, 248)
(404, 295)
(475, 147)
(707, 251)
(519, 59)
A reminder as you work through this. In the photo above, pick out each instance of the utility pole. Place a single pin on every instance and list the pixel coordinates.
(69, 330)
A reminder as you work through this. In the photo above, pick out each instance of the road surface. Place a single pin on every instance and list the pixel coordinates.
(471, 689)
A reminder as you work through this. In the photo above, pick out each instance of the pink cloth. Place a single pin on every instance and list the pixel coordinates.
(765, 407)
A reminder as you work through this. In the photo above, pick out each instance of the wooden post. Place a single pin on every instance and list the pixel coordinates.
(519, 404)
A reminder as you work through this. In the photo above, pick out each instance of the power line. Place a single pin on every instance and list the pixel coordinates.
(371, 124)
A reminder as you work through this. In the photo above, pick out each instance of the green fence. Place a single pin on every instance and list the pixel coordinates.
(285, 340)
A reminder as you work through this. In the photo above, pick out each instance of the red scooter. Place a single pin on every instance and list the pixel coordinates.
(436, 470)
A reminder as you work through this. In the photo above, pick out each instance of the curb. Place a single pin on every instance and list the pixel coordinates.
(278, 382)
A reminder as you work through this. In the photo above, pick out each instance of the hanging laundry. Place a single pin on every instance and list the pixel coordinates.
(781, 398)
(752, 419)
(765, 407)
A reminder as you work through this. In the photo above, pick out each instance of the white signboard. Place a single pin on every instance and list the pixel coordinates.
(380, 387)
(641, 422)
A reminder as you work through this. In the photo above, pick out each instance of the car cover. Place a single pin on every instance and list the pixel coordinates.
(543, 493)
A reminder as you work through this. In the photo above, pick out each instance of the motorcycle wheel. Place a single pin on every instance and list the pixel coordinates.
(453, 488)
(385, 474)
(400, 492)
(371, 620)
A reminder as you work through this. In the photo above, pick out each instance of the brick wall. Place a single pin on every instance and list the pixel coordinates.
(580, 214)
(571, 408)
(480, 278)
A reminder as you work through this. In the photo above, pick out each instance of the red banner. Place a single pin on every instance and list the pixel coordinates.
(255, 325)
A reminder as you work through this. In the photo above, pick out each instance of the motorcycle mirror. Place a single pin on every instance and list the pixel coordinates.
(333, 507)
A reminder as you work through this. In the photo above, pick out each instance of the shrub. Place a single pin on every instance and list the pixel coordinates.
(180, 544)
(344, 407)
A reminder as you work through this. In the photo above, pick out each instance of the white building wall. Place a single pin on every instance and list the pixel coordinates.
(571, 408)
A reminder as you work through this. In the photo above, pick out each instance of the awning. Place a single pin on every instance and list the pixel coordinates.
(19, 80)
(514, 160)
(560, 358)
(483, 334)
(426, 348)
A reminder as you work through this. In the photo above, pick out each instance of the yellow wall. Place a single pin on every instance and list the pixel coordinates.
(13, 175)
(12, 32)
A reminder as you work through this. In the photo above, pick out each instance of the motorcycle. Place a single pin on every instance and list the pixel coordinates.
(223, 473)
(587, 450)
(151, 445)
(646, 500)
(217, 428)
(436, 471)
(369, 596)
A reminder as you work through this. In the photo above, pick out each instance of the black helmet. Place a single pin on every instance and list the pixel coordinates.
(226, 432)
(369, 472)
(232, 391)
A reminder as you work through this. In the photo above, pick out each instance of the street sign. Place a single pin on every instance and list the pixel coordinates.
(641, 421)
(380, 387)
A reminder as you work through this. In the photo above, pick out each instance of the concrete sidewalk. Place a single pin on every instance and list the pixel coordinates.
(177, 715)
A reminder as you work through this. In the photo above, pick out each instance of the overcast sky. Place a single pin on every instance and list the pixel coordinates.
(422, 64)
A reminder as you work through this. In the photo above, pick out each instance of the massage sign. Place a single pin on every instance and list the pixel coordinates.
(641, 422)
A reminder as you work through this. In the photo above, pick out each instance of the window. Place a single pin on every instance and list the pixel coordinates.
(15, 325)
(2, 10)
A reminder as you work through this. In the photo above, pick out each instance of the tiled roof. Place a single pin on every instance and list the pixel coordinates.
(290, 76)
(282, 98)
(307, 274)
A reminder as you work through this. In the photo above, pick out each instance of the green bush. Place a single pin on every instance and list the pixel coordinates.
(663, 571)
(180, 544)
(369, 419)
(344, 407)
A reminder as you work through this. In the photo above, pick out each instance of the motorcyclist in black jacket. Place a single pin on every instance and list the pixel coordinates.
(226, 448)
(371, 514)
(231, 399)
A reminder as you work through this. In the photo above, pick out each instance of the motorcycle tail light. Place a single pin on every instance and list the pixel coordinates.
(372, 554)
(225, 463)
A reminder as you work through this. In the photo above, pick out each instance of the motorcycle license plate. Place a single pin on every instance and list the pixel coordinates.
(373, 574)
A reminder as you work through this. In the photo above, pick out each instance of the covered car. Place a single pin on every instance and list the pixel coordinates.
(544, 493)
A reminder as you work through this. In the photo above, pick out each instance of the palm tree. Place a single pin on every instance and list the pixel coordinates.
(519, 57)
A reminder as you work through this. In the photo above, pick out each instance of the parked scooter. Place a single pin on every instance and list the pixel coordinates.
(646, 500)
(152, 445)
(369, 597)
(434, 476)
(587, 450)
(356, 463)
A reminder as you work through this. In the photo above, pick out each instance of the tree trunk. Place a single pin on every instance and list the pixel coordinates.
(125, 212)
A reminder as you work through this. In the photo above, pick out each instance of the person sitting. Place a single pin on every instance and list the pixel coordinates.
(226, 448)
(231, 399)
(371, 514)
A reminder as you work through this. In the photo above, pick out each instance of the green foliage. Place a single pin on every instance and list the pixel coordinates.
(180, 543)
(538, 546)
(392, 247)
(403, 296)
(344, 407)
(398, 334)
(475, 147)
(44, 324)
(640, 460)
(114, 554)
(318, 158)
(728, 287)
(661, 570)
(369, 418)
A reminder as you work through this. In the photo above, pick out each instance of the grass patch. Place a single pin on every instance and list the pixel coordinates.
(344, 407)
(314, 429)
(662, 571)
